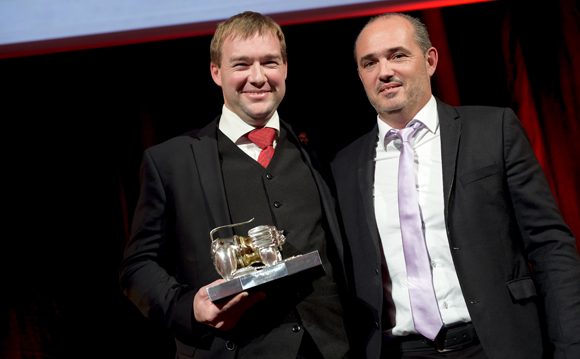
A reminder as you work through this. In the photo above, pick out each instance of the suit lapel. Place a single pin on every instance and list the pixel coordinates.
(366, 172)
(291, 135)
(206, 156)
(450, 124)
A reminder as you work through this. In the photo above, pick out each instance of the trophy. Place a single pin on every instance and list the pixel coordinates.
(246, 262)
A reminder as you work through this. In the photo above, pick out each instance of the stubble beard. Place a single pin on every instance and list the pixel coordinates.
(414, 95)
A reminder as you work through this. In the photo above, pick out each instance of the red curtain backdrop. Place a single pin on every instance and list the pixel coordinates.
(445, 82)
(549, 104)
(542, 53)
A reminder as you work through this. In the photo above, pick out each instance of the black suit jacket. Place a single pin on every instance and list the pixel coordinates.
(500, 214)
(168, 257)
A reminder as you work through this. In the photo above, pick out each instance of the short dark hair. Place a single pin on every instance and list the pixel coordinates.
(421, 33)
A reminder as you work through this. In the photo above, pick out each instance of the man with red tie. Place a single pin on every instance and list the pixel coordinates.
(245, 164)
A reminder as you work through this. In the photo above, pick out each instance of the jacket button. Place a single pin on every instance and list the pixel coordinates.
(277, 204)
(269, 176)
(230, 345)
(377, 325)
(296, 328)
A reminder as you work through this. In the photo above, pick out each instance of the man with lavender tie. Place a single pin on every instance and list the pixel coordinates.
(245, 164)
(443, 208)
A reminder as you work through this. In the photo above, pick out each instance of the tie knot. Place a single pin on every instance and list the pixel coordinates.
(406, 133)
(262, 137)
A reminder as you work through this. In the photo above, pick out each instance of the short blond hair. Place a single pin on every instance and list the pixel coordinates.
(244, 26)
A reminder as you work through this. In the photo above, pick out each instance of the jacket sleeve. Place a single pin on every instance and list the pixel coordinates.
(548, 242)
(147, 272)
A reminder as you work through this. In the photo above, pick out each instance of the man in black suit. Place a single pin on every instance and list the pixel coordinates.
(474, 210)
(218, 176)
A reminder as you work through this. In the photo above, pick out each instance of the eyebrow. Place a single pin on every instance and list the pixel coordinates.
(246, 58)
(388, 51)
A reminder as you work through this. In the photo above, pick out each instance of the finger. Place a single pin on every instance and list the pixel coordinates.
(203, 308)
(232, 302)
(230, 316)
(249, 301)
(203, 290)
(253, 299)
(238, 308)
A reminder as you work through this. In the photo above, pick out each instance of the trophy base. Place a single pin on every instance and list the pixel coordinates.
(264, 275)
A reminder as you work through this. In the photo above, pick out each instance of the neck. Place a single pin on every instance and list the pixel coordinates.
(396, 121)
(257, 123)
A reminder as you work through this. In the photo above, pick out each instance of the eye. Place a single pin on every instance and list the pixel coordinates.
(398, 56)
(271, 63)
(368, 64)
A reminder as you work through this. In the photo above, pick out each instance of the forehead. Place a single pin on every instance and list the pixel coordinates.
(254, 45)
(384, 34)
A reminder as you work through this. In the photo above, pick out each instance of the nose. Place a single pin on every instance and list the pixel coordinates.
(385, 70)
(257, 76)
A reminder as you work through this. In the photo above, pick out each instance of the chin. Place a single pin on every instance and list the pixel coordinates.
(390, 108)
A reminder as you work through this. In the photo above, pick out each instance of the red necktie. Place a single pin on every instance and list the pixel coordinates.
(264, 138)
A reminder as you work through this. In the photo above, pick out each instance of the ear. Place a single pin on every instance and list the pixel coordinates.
(431, 58)
(215, 74)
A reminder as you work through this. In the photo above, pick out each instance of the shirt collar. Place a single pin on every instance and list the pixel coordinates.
(235, 128)
(428, 115)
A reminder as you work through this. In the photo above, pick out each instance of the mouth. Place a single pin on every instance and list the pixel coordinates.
(389, 87)
(255, 93)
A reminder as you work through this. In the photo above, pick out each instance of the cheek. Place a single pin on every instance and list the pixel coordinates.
(368, 82)
(277, 78)
(236, 81)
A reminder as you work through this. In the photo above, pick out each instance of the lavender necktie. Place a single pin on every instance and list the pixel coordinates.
(420, 283)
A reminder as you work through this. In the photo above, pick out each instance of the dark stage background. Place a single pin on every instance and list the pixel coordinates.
(75, 126)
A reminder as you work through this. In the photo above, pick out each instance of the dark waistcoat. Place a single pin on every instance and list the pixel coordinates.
(286, 196)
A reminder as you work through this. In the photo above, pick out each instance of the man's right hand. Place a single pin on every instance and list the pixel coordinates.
(225, 314)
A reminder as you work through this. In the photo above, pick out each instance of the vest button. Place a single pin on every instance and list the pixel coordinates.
(230, 345)
(269, 176)
(277, 204)
(296, 328)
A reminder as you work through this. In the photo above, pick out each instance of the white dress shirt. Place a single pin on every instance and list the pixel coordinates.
(429, 182)
(235, 129)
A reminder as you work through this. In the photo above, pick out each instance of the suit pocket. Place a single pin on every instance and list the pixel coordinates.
(479, 173)
(522, 288)
(184, 350)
